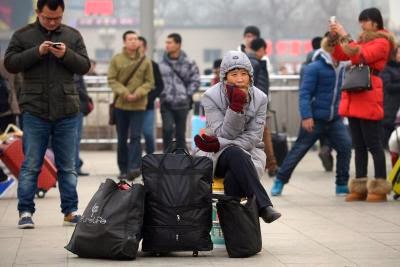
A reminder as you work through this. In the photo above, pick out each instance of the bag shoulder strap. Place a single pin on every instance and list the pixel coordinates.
(130, 75)
(133, 71)
(176, 72)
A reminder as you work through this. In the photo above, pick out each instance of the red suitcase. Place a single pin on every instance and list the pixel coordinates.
(12, 156)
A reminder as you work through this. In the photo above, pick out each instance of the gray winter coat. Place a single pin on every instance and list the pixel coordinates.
(177, 93)
(236, 129)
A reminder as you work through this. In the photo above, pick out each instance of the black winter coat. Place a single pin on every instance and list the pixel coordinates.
(391, 89)
(261, 76)
(48, 89)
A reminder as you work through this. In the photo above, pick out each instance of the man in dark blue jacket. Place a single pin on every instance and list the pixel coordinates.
(318, 102)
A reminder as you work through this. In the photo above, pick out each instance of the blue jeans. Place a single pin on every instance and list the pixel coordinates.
(339, 139)
(148, 130)
(78, 162)
(37, 132)
(173, 120)
(129, 156)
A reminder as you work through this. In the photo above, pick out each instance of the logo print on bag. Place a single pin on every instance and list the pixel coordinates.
(93, 219)
(95, 209)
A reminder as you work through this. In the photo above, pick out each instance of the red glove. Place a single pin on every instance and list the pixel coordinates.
(237, 98)
(207, 143)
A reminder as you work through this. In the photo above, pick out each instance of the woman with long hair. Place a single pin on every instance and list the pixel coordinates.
(365, 109)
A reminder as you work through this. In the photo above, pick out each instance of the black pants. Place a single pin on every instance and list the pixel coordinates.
(366, 135)
(240, 176)
(173, 120)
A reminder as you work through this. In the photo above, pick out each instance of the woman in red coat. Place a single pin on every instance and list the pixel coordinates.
(365, 109)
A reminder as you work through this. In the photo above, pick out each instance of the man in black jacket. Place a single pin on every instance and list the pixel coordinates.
(261, 81)
(48, 54)
(149, 115)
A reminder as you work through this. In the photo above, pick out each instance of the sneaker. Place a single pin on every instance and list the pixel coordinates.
(342, 190)
(25, 221)
(71, 219)
(277, 187)
(6, 185)
(268, 214)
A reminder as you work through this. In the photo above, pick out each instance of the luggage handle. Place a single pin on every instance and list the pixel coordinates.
(275, 119)
(17, 131)
(160, 166)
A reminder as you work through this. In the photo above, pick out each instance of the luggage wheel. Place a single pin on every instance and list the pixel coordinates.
(396, 196)
(195, 253)
(41, 193)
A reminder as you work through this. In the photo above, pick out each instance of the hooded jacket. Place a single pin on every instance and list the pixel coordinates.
(177, 93)
(244, 130)
(374, 48)
(320, 88)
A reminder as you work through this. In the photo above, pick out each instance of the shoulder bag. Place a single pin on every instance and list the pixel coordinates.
(111, 107)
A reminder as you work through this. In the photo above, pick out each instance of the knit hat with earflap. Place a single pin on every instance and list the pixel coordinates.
(235, 60)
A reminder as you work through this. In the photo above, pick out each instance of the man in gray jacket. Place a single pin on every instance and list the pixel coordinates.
(235, 117)
(48, 54)
(181, 79)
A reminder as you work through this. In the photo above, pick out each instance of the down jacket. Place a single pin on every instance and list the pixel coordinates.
(374, 48)
(320, 88)
(232, 128)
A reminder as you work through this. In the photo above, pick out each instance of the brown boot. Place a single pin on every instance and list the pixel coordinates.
(357, 189)
(378, 189)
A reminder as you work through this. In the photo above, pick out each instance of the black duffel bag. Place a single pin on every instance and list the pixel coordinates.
(111, 224)
(240, 225)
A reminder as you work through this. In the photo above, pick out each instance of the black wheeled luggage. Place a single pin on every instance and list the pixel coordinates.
(279, 141)
(178, 204)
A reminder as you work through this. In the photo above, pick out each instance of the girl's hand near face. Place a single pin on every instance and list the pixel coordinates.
(337, 28)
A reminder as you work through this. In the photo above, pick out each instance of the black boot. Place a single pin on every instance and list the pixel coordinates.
(268, 214)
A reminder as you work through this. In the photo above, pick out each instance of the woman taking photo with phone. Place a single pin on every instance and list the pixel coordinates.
(365, 108)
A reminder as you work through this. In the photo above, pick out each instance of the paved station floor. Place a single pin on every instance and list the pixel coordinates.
(317, 228)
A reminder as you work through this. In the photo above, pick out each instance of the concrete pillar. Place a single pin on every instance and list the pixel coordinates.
(147, 25)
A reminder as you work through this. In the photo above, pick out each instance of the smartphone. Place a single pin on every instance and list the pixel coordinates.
(332, 19)
(56, 45)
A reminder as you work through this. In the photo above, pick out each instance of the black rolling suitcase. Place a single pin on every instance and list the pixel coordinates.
(178, 204)
(279, 141)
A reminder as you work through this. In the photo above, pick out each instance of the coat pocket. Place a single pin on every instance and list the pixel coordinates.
(71, 99)
(32, 98)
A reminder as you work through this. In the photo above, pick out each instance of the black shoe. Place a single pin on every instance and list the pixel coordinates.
(268, 214)
(272, 173)
(81, 173)
(133, 174)
(326, 158)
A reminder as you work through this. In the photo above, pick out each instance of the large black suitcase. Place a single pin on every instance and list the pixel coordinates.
(178, 204)
(279, 141)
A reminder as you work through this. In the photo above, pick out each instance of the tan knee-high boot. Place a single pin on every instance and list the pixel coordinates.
(357, 189)
(378, 189)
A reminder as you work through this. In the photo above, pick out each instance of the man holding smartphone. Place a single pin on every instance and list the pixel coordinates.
(48, 53)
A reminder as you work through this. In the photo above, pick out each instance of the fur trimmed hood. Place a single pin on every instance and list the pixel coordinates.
(368, 36)
(364, 37)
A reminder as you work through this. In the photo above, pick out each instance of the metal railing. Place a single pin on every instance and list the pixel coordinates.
(284, 99)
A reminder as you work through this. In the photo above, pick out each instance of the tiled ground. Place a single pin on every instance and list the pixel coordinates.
(316, 229)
